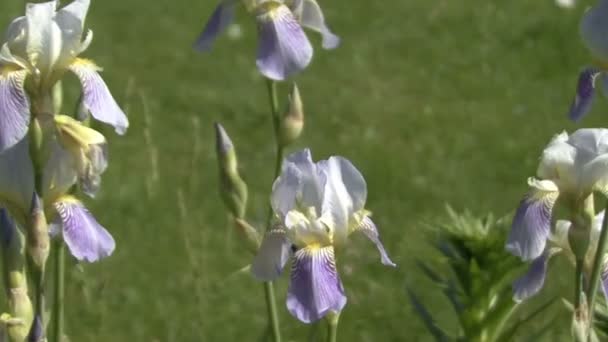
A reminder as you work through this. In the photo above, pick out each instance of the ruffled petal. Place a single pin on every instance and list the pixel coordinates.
(274, 252)
(283, 49)
(14, 108)
(531, 282)
(84, 236)
(532, 222)
(222, 17)
(370, 230)
(315, 288)
(585, 93)
(97, 97)
(311, 16)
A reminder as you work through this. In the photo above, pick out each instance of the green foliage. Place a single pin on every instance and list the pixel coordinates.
(478, 280)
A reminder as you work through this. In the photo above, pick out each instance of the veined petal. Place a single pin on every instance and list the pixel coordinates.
(370, 230)
(311, 16)
(531, 282)
(222, 17)
(97, 97)
(274, 252)
(283, 49)
(315, 288)
(532, 223)
(14, 108)
(17, 179)
(585, 92)
(84, 236)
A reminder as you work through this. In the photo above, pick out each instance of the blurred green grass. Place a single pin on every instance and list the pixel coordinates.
(435, 102)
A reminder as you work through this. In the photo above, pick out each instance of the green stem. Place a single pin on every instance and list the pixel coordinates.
(596, 269)
(578, 284)
(273, 317)
(332, 320)
(58, 314)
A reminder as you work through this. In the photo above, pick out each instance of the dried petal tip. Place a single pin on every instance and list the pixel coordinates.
(223, 142)
(293, 120)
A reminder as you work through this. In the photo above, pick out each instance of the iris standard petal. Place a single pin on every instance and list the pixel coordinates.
(532, 224)
(274, 252)
(44, 38)
(585, 93)
(70, 20)
(315, 288)
(558, 162)
(84, 236)
(353, 181)
(370, 230)
(311, 16)
(338, 207)
(531, 282)
(14, 108)
(284, 190)
(222, 17)
(283, 48)
(97, 97)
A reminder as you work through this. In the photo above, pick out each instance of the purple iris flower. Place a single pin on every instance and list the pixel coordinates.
(40, 47)
(317, 206)
(283, 48)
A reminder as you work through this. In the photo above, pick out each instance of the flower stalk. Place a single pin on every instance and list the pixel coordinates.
(333, 319)
(58, 313)
(597, 265)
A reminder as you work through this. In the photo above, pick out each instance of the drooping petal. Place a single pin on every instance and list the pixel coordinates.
(532, 222)
(531, 282)
(311, 16)
(370, 230)
(84, 236)
(97, 97)
(44, 38)
(283, 48)
(17, 179)
(274, 252)
(315, 288)
(222, 17)
(14, 108)
(585, 93)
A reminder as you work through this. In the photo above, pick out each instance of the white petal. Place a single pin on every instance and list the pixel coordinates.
(312, 18)
(272, 256)
(70, 20)
(43, 36)
(558, 162)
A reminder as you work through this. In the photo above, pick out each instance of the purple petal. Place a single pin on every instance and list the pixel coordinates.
(85, 237)
(315, 288)
(222, 16)
(531, 226)
(36, 331)
(283, 48)
(272, 256)
(14, 108)
(585, 92)
(371, 231)
(97, 97)
(7, 228)
(531, 282)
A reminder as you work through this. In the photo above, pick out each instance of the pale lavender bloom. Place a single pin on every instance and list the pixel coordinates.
(594, 34)
(317, 206)
(41, 46)
(572, 167)
(283, 48)
(86, 239)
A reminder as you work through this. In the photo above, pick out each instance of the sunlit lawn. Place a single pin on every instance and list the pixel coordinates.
(435, 101)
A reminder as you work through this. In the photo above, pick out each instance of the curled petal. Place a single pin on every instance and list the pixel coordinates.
(585, 92)
(97, 97)
(274, 252)
(311, 16)
(531, 282)
(531, 224)
(84, 236)
(370, 230)
(222, 17)
(315, 288)
(283, 48)
(14, 108)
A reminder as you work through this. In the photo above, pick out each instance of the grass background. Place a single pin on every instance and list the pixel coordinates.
(435, 102)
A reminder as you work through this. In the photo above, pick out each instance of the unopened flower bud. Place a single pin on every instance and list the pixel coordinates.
(38, 241)
(250, 234)
(232, 187)
(292, 122)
